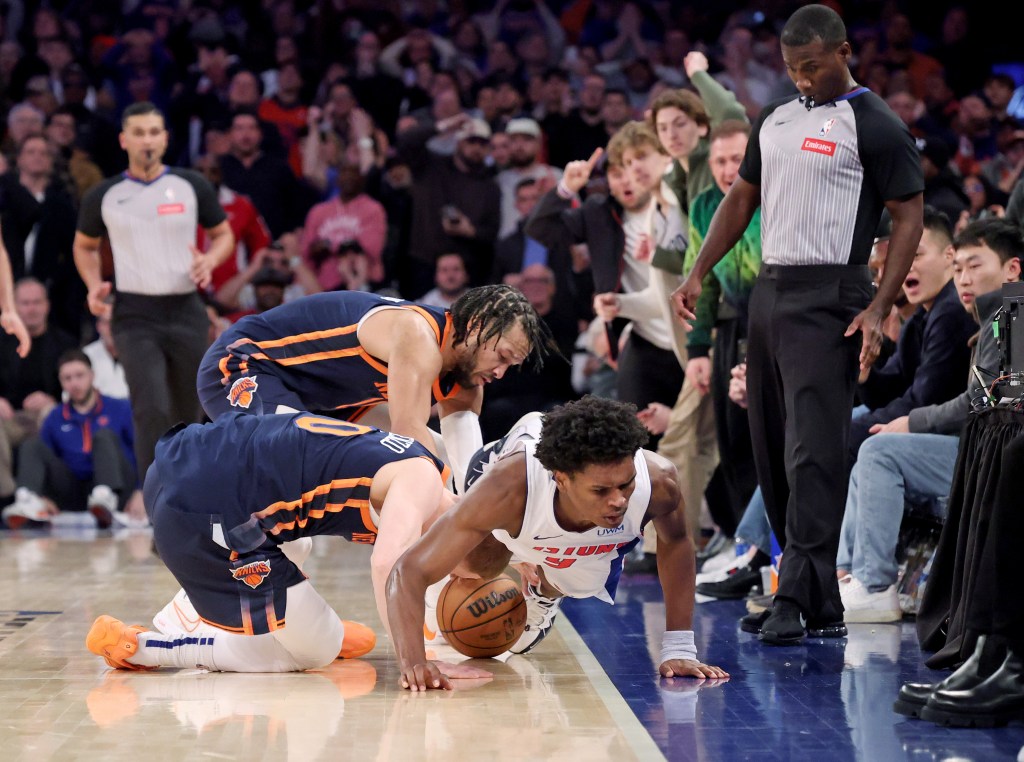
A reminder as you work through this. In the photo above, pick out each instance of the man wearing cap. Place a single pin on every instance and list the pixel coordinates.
(268, 286)
(455, 201)
(525, 143)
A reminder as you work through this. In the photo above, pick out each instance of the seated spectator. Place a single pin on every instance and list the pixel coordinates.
(245, 93)
(1004, 170)
(524, 143)
(29, 388)
(913, 457)
(268, 287)
(450, 282)
(286, 111)
(942, 187)
(251, 233)
(23, 120)
(932, 354)
(266, 179)
(350, 216)
(456, 203)
(82, 458)
(379, 93)
(61, 131)
(985, 200)
(282, 256)
(39, 227)
(108, 373)
(582, 131)
(900, 54)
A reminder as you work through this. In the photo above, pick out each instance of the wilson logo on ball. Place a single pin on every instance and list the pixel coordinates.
(481, 606)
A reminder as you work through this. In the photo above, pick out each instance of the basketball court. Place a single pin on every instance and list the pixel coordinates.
(588, 691)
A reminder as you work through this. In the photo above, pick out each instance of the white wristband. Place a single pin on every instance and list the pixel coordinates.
(563, 190)
(678, 644)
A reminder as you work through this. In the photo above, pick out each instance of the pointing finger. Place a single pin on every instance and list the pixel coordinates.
(594, 157)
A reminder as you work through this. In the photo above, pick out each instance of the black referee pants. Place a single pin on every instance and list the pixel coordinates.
(160, 342)
(801, 376)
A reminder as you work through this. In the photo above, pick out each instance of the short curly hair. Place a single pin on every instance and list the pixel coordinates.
(593, 430)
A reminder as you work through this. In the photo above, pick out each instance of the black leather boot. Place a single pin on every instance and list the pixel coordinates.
(988, 655)
(993, 702)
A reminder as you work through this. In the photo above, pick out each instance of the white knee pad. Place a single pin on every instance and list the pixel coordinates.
(312, 632)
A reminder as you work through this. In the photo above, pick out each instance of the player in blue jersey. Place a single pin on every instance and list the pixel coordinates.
(225, 496)
(348, 352)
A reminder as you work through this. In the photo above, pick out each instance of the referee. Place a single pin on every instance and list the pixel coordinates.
(159, 323)
(822, 166)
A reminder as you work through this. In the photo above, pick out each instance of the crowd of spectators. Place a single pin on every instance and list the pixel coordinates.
(405, 147)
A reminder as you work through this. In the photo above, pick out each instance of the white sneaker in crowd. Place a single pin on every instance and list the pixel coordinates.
(717, 568)
(103, 505)
(861, 605)
(27, 510)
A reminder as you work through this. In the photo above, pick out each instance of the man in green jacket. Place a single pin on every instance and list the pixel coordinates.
(722, 311)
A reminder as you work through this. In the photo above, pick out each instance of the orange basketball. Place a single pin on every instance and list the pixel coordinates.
(481, 618)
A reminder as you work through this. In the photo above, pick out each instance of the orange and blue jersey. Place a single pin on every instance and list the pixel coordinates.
(281, 477)
(223, 496)
(306, 355)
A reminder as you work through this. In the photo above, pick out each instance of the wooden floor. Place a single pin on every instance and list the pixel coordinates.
(58, 701)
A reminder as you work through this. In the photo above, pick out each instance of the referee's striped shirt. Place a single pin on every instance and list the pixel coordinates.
(825, 174)
(150, 226)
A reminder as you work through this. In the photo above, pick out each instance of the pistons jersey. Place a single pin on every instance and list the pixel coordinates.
(579, 564)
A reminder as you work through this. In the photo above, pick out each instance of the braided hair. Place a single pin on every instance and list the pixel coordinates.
(489, 311)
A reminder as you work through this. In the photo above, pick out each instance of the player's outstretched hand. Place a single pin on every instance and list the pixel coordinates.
(438, 675)
(690, 668)
(424, 676)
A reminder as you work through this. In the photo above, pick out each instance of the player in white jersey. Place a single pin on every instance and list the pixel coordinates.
(569, 505)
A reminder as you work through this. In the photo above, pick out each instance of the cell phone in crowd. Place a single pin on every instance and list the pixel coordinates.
(741, 351)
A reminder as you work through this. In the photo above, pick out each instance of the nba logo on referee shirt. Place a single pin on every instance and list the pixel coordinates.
(826, 128)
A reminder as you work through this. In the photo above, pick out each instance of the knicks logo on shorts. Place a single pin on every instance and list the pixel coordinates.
(252, 574)
(241, 392)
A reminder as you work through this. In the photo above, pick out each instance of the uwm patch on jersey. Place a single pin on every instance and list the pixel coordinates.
(252, 574)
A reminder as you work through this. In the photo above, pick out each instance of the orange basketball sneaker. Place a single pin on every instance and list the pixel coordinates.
(115, 641)
(359, 640)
